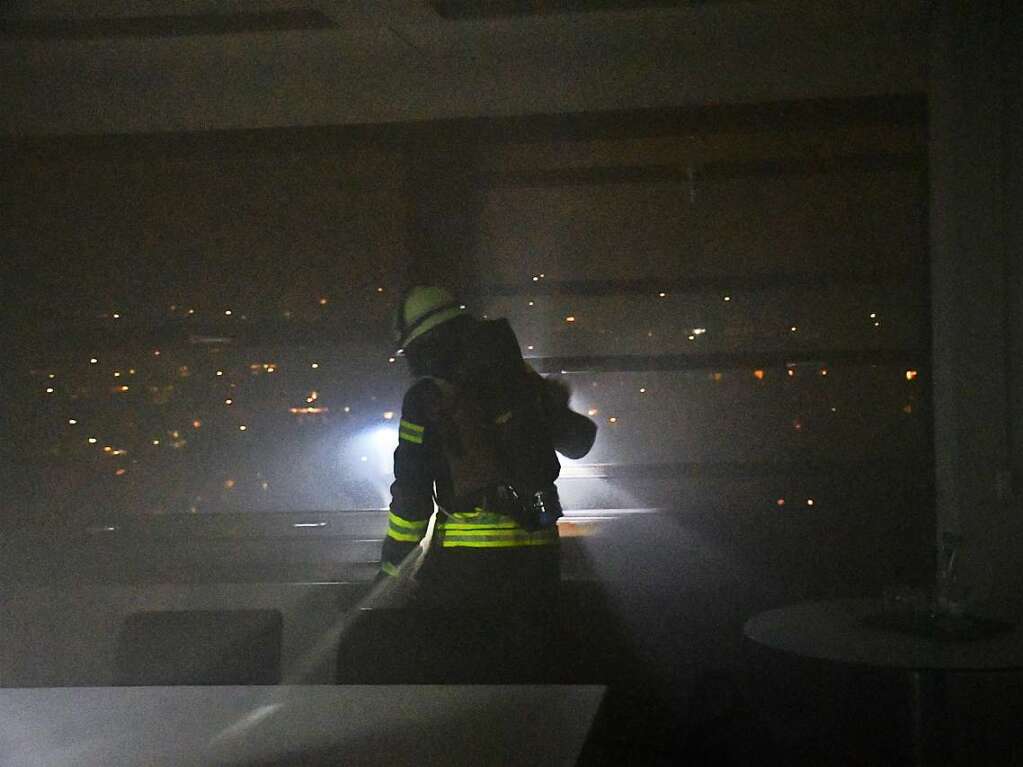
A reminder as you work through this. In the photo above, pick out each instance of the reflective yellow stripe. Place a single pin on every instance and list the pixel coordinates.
(415, 439)
(496, 538)
(388, 569)
(479, 518)
(399, 536)
(410, 432)
(395, 521)
(509, 525)
(401, 529)
(476, 543)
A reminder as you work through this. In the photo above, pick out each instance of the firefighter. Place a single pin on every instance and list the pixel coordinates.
(482, 553)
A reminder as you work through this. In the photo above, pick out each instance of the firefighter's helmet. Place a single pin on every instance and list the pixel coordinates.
(421, 309)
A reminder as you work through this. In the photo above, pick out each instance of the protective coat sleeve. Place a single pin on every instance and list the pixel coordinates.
(412, 490)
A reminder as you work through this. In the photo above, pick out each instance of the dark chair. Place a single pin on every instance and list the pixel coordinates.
(200, 647)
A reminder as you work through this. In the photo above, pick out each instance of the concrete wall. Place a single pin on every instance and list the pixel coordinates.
(976, 228)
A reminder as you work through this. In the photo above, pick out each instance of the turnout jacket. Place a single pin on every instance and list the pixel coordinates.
(465, 538)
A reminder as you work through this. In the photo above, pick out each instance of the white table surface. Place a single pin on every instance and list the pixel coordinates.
(353, 725)
(831, 630)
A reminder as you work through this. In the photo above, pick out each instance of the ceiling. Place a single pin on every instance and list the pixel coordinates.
(124, 66)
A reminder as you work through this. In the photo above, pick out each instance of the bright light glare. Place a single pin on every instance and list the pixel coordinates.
(375, 448)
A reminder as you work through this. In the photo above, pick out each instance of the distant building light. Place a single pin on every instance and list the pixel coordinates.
(612, 419)
(759, 374)
(462, 307)
(49, 390)
(120, 472)
(699, 331)
(532, 303)
(791, 372)
(220, 372)
(156, 442)
(243, 427)
(877, 324)
(191, 311)
(389, 415)
(380, 290)
(92, 440)
(229, 402)
(323, 301)
(911, 375)
(834, 410)
(780, 502)
(348, 409)
(108, 449)
(176, 434)
(642, 390)
(570, 318)
(824, 371)
(227, 312)
(229, 484)
(873, 315)
(72, 421)
(315, 366)
(691, 338)
(119, 452)
(156, 352)
(794, 328)
(308, 410)
(810, 502)
(93, 360)
(592, 411)
(117, 316)
(717, 377)
(908, 409)
(529, 348)
(122, 388)
(131, 371)
(392, 359)
(536, 278)
(728, 298)
(196, 424)
(52, 376)
(117, 374)
(662, 295)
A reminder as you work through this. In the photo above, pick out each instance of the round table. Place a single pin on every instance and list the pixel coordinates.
(834, 631)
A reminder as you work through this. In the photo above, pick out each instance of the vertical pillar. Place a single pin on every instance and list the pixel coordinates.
(1013, 26)
(974, 265)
